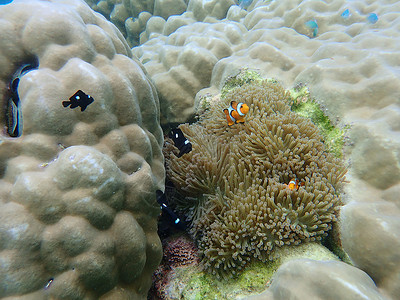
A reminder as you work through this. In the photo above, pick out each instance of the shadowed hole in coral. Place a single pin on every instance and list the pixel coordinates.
(13, 112)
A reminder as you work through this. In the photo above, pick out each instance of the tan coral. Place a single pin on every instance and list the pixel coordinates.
(77, 189)
(311, 279)
(244, 208)
(180, 66)
(131, 17)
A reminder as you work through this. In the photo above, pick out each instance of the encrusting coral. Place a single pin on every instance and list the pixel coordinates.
(234, 181)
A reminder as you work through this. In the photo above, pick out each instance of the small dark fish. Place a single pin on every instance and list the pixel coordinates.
(78, 99)
(162, 200)
(180, 141)
(47, 286)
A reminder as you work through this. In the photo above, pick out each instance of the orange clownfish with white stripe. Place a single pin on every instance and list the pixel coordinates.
(294, 184)
(236, 112)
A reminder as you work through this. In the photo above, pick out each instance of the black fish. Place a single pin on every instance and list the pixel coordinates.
(181, 142)
(78, 99)
(162, 200)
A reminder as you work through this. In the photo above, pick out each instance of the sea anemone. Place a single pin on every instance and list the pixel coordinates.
(234, 181)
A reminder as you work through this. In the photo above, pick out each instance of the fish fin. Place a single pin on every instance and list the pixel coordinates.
(234, 105)
(228, 118)
(83, 107)
(79, 93)
(66, 103)
(160, 197)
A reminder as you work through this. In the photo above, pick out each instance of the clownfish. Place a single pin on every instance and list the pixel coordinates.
(294, 184)
(236, 112)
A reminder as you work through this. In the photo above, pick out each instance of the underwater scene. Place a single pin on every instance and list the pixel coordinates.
(200, 149)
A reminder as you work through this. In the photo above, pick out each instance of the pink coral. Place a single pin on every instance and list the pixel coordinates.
(178, 252)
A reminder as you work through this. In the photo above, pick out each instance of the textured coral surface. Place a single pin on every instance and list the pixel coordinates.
(132, 17)
(351, 65)
(184, 61)
(77, 190)
(310, 279)
(192, 282)
(235, 180)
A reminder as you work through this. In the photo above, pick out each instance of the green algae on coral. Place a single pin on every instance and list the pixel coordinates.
(308, 107)
(193, 283)
(245, 76)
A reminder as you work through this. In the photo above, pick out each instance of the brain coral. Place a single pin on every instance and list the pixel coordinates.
(77, 189)
(234, 180)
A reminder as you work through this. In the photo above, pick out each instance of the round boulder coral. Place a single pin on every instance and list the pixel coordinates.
(235, 181)
(78, 185)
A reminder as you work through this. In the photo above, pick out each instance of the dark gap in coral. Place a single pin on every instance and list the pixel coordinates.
(11, 103)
